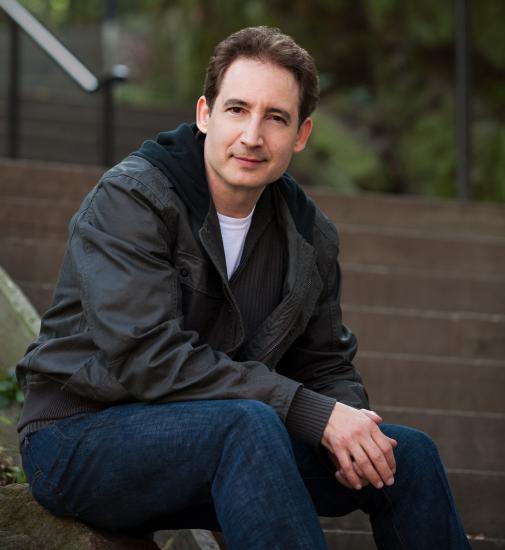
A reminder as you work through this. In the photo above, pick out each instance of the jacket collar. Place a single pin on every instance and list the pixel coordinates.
(179, 154)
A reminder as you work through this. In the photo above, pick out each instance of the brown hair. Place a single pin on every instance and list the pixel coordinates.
(269, 45)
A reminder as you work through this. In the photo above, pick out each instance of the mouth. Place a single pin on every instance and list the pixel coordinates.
(248, 162)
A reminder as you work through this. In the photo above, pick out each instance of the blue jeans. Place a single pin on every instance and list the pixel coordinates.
(231, 466)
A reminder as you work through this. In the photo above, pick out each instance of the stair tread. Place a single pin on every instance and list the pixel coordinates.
(482, 517)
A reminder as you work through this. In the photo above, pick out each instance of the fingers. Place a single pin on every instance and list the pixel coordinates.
(386, 446)
(363, 452)
(372, 415)
(347, 472)
(340, 476)
(373, 462)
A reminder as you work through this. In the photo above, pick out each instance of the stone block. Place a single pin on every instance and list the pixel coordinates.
(25, 524)
(19, 322)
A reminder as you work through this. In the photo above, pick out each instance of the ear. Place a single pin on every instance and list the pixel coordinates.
(303, 135)
(202, 114)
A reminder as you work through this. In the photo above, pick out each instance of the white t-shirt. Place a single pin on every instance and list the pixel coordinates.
(234, 232)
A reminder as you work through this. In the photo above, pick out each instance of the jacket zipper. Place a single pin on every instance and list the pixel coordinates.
(285, 333)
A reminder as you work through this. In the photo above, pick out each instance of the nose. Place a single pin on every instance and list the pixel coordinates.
(252, 135)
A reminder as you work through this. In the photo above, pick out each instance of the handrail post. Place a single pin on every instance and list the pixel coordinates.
(107, 139)
(13, 100)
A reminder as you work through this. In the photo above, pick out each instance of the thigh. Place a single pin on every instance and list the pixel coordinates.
(129, 464)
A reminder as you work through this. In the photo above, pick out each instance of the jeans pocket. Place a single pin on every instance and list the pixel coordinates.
(30, 468)
(45, 455)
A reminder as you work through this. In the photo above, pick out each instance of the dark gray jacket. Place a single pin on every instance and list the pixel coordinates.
(143, 310)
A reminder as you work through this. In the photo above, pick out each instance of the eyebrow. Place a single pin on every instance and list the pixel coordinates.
(271, 110)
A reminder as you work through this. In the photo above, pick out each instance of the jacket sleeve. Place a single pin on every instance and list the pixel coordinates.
(131, 299)
(321, 359)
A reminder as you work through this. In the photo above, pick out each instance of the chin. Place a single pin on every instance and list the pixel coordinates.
(250, 181)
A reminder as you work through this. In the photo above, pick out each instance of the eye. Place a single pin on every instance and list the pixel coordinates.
(278, 119)
(235, 110)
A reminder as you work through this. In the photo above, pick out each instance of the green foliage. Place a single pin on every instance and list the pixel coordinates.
(9, 389)
(8, 472)
(426, 151)
(489, 164)
(488, 32)
(336, 157)
(386, 72)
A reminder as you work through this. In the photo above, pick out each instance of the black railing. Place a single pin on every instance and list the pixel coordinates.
(22, 19)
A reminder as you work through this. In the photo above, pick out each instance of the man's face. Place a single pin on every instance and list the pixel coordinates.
(253, 129)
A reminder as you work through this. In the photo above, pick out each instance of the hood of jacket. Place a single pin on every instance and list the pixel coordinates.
(179, 154)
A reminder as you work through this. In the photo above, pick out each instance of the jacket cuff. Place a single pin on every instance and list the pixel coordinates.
(308, 415)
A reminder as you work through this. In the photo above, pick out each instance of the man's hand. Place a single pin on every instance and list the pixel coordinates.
(341, 477)
(361, 452)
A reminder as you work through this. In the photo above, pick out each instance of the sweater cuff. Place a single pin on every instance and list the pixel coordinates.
(308, 415)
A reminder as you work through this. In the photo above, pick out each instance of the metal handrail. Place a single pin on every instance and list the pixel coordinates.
(21, 18)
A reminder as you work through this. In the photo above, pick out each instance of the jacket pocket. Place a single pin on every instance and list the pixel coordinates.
(197, 274)
(94, 381)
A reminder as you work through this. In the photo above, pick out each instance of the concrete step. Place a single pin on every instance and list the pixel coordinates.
(23, 178)
(467, 440)
(379, 329)
(341, 539)
(386, 211)
(36, 217)
(380, 285)
(378, 291)
(39, 294)
(481, 542)
(479, 498)
(433, 382)
(31, 260)
(438, 216)
(414, 249)
(476, 256)
(414, 331)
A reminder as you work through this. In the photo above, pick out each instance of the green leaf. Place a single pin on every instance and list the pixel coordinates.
(21, 476)
(4, 401)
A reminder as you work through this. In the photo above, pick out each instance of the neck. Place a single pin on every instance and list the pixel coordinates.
(235, 208)
(234, 202)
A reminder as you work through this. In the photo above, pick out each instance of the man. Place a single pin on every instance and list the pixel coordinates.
(193, 370)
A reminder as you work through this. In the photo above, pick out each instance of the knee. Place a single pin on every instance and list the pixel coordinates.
(256, 419)
(416, 450)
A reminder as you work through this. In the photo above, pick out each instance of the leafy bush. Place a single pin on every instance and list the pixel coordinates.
(9, 389)
(8, 472)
